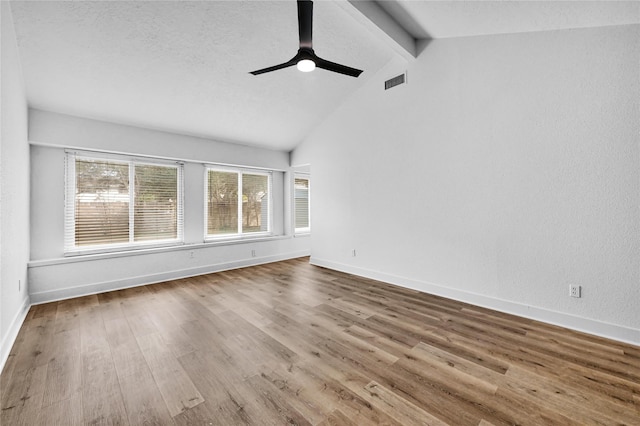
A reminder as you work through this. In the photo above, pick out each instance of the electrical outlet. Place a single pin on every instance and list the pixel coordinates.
(19, 285)
(191, 255)
(253, 253)
(574, 290)
(353, 253)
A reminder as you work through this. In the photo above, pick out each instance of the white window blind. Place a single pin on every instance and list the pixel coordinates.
(301, 204)
(114, 202)
(156, 195)
(237, 202)
(255, 203)
(222, 202)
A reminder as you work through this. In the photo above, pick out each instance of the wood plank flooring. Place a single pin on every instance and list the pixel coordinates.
(290, 343)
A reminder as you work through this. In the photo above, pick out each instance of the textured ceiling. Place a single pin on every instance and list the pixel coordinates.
(184, 66)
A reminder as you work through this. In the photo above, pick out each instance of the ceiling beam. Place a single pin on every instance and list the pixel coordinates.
(378, 21)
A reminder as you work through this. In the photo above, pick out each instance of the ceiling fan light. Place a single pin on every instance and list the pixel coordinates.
(306, 65)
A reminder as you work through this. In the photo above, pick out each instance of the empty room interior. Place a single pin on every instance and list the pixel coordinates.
(338, 212)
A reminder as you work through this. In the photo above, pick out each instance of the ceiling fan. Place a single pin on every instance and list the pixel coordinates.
(306, 59)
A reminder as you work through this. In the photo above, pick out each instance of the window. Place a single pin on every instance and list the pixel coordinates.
(238, 203)
(115, 202)
(301, 204)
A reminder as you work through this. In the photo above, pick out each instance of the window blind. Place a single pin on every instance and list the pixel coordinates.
(255, 203)
(101, 203)
(301, 204)
(222, 202)
(237, 202)
(156, 200)
(120, 202)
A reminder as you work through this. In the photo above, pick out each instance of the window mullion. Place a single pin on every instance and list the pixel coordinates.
(270, 207)
(207, 197)
(240, 197)
(131, 201)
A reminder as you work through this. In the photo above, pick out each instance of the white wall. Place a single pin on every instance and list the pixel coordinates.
(506, 169)
(52, 276)
(14, 190)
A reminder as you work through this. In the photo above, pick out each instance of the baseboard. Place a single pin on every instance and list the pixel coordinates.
(12, 332)
(586, 325)
(104, 286)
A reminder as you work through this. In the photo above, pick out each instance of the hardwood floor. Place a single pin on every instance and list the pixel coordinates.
(290, 343)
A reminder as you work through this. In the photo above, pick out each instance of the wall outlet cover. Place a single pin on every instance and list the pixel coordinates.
(574, 291)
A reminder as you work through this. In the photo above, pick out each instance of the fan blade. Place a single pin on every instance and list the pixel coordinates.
(332, 66)
(274, 68)
(305, 22)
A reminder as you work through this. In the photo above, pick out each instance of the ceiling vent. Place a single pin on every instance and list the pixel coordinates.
(395, 81)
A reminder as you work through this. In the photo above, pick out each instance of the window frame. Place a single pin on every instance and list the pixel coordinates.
(239, 235)
(305, 230)
(70, 247)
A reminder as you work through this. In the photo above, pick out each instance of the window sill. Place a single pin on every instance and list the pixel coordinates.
(131, 248)
(79, 257)
(235, 238)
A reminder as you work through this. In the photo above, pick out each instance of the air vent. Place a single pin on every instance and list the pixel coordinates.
(395, 81)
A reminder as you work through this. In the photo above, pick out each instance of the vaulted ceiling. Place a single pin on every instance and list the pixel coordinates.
(183, 66)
